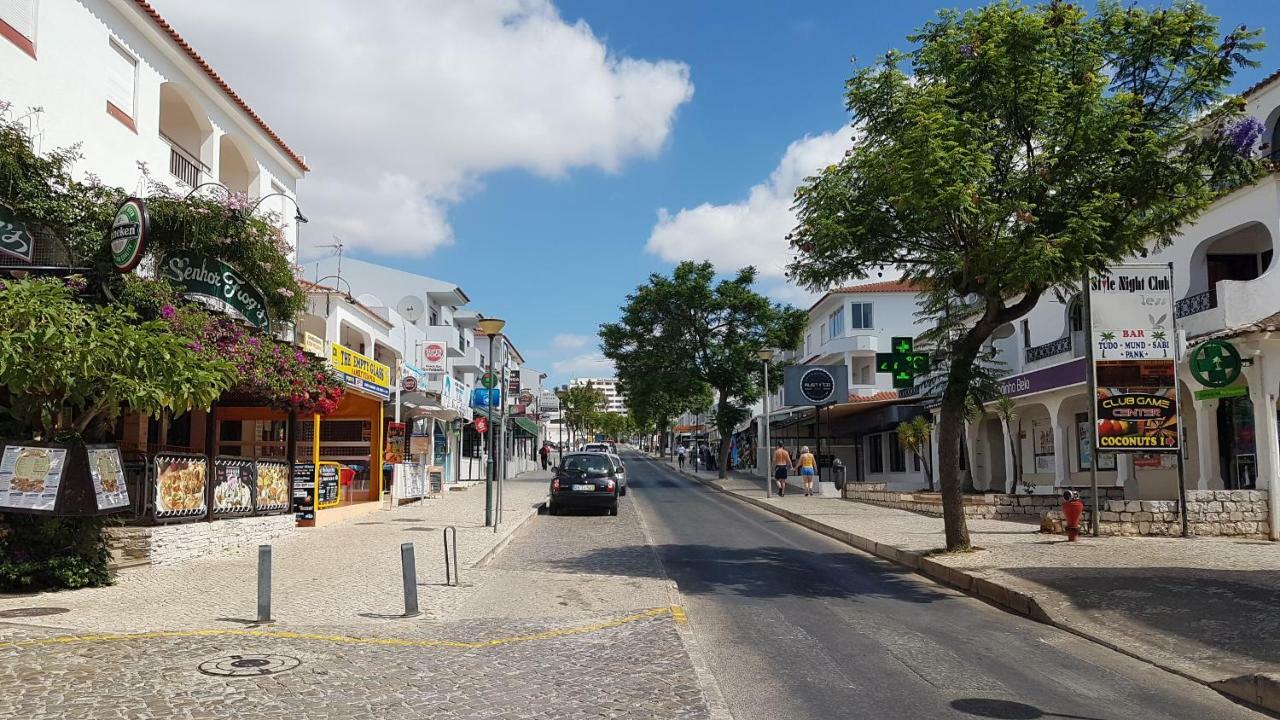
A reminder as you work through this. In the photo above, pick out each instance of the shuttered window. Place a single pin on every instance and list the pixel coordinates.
(21, 16)
(122, 72)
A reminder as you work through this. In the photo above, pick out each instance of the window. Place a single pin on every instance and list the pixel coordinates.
(897, 460)
(860, 316)
(1026, 334)
(808, 341)
(875, 453)
(1076, 312)
(122, 80)
(836, 323)
(18, 23)
(435, 319)
(866, 375)
(822, 333)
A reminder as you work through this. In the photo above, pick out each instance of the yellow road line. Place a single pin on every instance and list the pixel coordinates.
(675, 611)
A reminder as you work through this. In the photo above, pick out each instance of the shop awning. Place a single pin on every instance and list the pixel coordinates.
(527, 425)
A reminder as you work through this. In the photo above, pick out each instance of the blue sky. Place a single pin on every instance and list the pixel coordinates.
(551, 229)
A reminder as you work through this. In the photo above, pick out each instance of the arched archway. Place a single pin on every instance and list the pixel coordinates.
(236, 167)
(1242, 253)
(187, 130)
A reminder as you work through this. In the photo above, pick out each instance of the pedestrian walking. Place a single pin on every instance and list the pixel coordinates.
(781, 464)
(680, 451)
(808, 466)
(545, 453)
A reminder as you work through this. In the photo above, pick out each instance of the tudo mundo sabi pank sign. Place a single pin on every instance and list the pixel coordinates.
(218, 285)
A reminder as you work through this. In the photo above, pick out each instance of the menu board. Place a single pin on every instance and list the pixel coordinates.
(107, 472)
(180, 485)
(273, 486)
(328, 485)
(304, 491)
(408, 481)
(30, 476)
(233, 485)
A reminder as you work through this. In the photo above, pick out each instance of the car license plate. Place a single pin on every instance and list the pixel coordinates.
(584, 488)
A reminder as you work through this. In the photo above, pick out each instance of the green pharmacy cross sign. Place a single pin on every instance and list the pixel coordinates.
(904, 363)
(1216, 364)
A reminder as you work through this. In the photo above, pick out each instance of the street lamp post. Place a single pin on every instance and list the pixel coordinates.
(765, 356)
(491, 327)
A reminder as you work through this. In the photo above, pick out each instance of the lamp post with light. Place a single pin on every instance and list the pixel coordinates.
(766, 355)
(491, 327)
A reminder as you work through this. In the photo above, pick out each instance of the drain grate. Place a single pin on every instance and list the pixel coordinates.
(32, 612)
(249, 665)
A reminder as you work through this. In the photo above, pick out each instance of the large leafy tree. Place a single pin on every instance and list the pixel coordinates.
(581, 406)
(697, 331)
(1012, 150)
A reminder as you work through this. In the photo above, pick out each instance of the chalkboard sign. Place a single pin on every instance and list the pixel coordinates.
(437, 482)
(304, 491)
(328, 485)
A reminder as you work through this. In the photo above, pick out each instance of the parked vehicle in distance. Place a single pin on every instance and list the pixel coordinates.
(596, 447)
(585, 480)
(620, 472)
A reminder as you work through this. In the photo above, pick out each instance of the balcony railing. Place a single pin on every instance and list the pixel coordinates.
(184, 166)
(1197, 303)
(1061, 346)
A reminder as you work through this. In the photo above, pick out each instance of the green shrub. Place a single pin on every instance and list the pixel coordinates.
(46, 553)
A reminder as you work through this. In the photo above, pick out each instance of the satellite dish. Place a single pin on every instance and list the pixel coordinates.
(410, 308)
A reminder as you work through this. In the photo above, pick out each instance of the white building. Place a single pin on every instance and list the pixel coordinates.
(615, 399)
(114, 77)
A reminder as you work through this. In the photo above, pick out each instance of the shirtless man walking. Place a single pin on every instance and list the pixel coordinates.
(781, 465)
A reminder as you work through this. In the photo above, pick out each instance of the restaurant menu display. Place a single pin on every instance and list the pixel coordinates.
(30, 476)
(409, 481)
(233, 485)
(273, 486)
(328, 485)
(180, 485)
(304, 491)
(107, 472)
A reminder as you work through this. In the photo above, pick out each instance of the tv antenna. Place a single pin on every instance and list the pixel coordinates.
(337, 246)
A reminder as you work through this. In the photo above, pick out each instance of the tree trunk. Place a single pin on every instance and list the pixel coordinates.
(950, 432)
(726, 440)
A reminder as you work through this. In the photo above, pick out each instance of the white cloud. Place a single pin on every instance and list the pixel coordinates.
(752, 231)
(567, 341)
(592, 364)
(403, 107)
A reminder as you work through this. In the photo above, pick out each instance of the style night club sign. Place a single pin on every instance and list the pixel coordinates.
(1134, 368)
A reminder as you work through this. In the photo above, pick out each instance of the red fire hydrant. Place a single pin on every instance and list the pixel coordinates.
(1072, 509)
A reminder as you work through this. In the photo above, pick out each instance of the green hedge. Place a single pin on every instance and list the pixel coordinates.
(44, 553)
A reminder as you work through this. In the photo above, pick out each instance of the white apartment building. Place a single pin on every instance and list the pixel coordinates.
(114, 77)
(615, 400)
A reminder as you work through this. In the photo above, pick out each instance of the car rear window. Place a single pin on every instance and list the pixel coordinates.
(587, 465)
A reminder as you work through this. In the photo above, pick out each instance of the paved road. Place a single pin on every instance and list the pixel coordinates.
(798, 626)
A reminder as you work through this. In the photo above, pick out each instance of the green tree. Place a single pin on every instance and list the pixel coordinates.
(700, 333)
(1007, 410)
(581, 406)
(69, 367)
(914, 435)
(1011, 151)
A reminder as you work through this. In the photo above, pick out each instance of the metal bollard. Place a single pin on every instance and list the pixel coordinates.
(408, 569)
(451, 577)
(264, 583)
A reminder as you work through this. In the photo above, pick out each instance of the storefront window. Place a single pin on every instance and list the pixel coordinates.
(1042, 446)
(875, 453)
(1237, 446)
(1084, 452)
(897, 461)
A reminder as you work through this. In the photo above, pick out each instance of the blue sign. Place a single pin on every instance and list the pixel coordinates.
(481, 397)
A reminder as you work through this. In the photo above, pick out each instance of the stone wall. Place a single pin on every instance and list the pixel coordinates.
(169, 544)
(1242, 513)
(987, 506)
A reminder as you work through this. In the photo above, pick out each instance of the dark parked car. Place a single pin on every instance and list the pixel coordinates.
(584, 480)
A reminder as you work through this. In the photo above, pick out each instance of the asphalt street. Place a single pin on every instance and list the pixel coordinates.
(796, 625)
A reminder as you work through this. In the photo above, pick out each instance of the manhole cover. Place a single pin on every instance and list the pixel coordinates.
(32, 612)
(249, 665)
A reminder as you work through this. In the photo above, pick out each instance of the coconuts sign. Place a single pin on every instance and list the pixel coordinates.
(218, 285)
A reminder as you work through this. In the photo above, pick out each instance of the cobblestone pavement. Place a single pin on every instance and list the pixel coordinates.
(1204, 606)
(540, 632)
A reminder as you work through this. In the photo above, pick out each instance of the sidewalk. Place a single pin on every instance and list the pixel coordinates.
(1205, 608)
(342, 575)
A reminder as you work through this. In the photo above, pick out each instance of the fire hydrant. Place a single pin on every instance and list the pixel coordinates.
(1072, 509)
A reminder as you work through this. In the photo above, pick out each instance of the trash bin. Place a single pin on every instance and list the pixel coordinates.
(838, 473)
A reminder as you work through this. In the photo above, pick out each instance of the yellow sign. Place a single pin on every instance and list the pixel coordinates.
(361, 372)
(313, 344)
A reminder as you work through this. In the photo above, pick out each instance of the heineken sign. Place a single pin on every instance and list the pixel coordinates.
(15, 238)
(129, 232)
(217, 284)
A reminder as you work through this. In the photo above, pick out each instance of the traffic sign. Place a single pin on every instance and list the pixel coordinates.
(1216, 364)
(903, 363)
(481, 425)
(488, 380)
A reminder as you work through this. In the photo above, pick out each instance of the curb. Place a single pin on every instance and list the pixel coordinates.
(1261, 690)
(493, 552)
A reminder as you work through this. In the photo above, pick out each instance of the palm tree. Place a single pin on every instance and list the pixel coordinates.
(1107, 336)
(1160, 335)
(1007, 410)
(914, 435)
